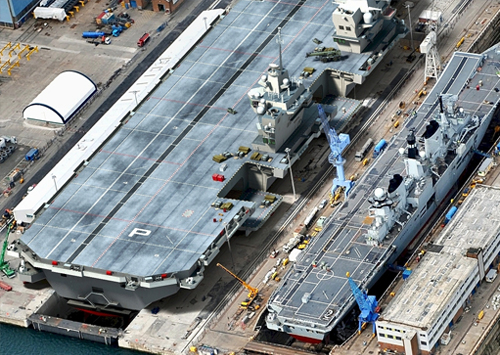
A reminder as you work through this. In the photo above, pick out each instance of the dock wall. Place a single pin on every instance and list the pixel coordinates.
(490, 342)
(7, 318)
(488, 37)
(108, 336)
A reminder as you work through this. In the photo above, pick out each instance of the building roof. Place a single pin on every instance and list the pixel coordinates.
(441, 273)
(61, 98)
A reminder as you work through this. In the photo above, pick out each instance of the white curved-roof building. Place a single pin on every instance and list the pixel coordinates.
(61, 99)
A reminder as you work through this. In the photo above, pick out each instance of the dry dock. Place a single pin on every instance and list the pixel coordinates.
(177, 326)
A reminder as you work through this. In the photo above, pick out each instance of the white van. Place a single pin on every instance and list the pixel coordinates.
(491, 275)
(485, 167)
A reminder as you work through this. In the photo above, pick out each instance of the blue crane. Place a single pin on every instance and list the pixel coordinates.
(337, 143)
(367, 305)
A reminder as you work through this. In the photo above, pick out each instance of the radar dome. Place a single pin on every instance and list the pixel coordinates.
(379, 193)
(263, 77)
(261, 110)
(286, 82)
(422, 154)
(368, 17)
(263, 101)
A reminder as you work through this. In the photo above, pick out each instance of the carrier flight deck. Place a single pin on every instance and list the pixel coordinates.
(151, 208)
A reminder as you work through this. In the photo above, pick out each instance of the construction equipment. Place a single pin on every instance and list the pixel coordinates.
(325, 54)
(252, 292)
(4, 265)
(368, 306)
(459, 43)
(337, 145)
(319, 224)
(432, 59)
(100, 40)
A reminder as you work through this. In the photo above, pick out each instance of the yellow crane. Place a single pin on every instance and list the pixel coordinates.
(252, 292)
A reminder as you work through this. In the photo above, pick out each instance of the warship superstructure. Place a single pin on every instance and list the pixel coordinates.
(147, 210)
(392, 202)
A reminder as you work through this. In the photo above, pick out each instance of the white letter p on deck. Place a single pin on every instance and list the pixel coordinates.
(139, 231)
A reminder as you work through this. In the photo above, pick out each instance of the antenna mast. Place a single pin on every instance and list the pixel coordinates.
(280, 41)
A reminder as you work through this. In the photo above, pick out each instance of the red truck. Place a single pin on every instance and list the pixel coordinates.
(143, 40)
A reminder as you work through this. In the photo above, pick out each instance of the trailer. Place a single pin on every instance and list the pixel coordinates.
(379, 148)
(364, 150)
(5, 286)
(88, 34)
(310, 217)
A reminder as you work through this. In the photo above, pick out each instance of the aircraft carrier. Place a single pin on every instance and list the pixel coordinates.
(146, 211)
(392, 202)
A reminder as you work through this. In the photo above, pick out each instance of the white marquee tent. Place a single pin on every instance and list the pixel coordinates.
(61, 99)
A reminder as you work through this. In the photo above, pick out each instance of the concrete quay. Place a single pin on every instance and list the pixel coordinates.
(18, 305)
(178, 323)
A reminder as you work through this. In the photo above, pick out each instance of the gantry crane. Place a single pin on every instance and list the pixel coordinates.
(337, 143)
(368, 306)
(4, 265)
(252, 292)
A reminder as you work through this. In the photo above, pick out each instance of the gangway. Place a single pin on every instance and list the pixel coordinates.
(486, 155)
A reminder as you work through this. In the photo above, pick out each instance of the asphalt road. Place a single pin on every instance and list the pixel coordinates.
(135, 73)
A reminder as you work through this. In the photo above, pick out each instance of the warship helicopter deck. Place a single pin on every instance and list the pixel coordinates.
(314, 296)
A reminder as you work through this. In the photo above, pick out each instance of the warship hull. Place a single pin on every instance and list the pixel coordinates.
(314, 297)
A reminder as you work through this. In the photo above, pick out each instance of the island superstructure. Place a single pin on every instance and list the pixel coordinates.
(150, 209)
(393, 200)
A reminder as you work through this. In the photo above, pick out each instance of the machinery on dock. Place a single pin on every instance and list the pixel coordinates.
(368, 305)
(4, 265)
(252, 291)
(337, 142)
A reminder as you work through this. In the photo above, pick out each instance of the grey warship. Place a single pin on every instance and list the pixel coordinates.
(393, 200)
(145, 213)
